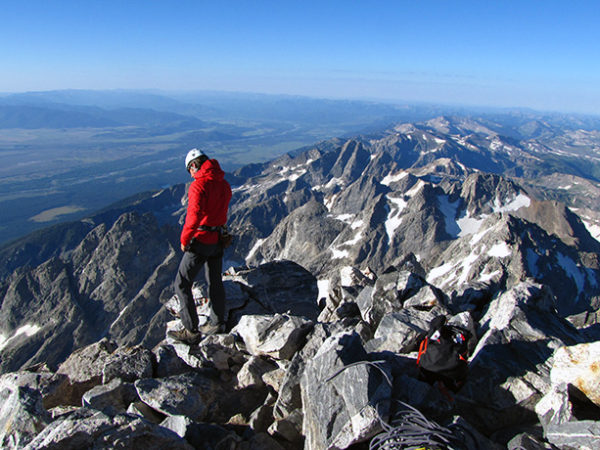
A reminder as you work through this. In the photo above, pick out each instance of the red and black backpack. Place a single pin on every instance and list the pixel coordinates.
(443, 354)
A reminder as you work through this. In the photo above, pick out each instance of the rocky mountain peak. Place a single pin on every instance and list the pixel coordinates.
(343, 255)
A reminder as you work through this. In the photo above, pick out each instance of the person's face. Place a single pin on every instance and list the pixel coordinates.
(193, 170)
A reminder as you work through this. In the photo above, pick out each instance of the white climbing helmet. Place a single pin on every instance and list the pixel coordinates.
(192, 155)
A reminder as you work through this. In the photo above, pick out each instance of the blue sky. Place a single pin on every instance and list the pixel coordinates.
(539, 54)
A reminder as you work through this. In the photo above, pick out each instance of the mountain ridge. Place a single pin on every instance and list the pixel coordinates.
(352, 245)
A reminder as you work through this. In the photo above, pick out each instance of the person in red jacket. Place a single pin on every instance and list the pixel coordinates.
(208, 203)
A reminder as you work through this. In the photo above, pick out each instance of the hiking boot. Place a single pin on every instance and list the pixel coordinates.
(212, 328)
(186, 336)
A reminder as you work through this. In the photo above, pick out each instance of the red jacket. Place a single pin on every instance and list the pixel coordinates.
(208, 202)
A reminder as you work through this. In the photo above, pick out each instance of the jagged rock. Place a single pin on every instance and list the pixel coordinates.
(219, 351)
(426, 398)
(584, 434)
(88, 428)
(128, 364)
(116, 395)
(236, 299)
(470, 437)
(196, 395)
(427, 298)
(60, 411)
(473, 294)
(555, 407)
(289, 400)
(200, 395)
(223, 352)
(556, 218)
(399, 332)
(261, 441)
(261, 418)
(343, 288)
(84, 369)
(351, 277)
(556, 413)
(290, 427)
(510, 368)
(280, 287)
(201, 435)
(88, 362)
(22, 415)
(579, 366)
(49, 384)
(141, 409)
(278, 336)
(525, 441)
(32, 301)
(465, 321)
(274, 378)
(342, 402)
(252, 372)
(202, 301)
(388, 294)
(168, 362)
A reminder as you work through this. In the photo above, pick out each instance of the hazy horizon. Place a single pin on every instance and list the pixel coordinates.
(542, 56)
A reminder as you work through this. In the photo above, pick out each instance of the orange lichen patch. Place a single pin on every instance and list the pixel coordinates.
(595, 367)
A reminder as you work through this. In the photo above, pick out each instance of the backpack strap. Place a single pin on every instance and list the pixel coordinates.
(422, 349)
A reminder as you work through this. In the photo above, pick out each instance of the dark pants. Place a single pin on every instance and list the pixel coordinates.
(193, 260)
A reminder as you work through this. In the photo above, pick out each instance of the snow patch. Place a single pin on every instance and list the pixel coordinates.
(346, 278)
(415, 189)
(292, 173)
(323, 286)
(500, 250)
(439, 271)
(355, 240)
(477, 237)
(339, 254)
(485, 277)
(334, 182)
(394, 220)
(347, 218)
(329, 201)
(253, 250)
(572, 270)
(518, 202)
(466, 267)
(593, 229)
(532, 260)
(449, 211)
(389, 179)
(357, 224)
(469, 225)
(28, 330)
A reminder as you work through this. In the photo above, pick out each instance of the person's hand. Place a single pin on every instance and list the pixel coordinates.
(182, 248)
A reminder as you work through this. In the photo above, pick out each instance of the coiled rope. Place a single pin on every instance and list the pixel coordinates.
(411, 430)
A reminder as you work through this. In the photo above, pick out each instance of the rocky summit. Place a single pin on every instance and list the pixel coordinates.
(344, 253)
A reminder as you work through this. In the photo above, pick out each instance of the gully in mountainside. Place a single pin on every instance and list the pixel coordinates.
(208, 204)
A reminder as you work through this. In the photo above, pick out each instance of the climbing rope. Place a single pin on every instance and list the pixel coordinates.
(411, 430)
